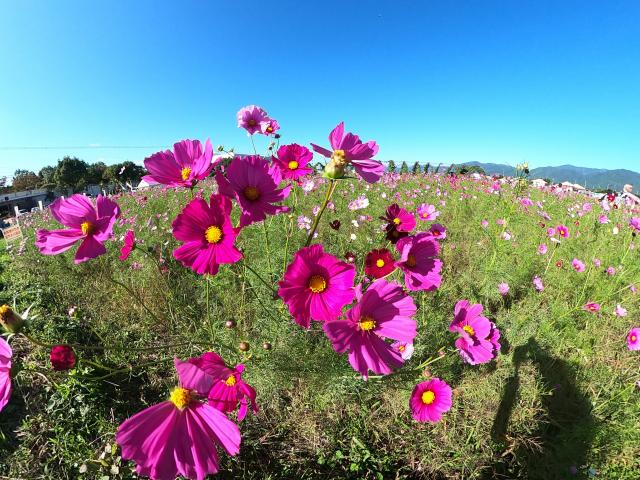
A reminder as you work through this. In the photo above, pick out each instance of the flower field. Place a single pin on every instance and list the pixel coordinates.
(251, 318)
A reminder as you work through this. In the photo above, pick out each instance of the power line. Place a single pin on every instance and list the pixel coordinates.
(80, 147)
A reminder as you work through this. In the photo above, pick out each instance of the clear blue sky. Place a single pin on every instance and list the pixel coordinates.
(549, 82)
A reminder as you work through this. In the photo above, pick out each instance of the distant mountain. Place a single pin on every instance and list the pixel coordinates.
(592, 178)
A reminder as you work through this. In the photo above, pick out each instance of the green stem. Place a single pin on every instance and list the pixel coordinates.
(264, 282)
(266, 246)
(327, 197)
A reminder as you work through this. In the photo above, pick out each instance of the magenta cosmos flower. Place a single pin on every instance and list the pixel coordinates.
(350, 149)
(399, 218)
(316, 286)
(419, 263)
(89, 224)
(563, 231)
(293, 161)
(228, 389)
(179, 436)
(183, 167)
(427, 212)
(383, 312)
(438, 231)
(207, 235)
(129, 244)
(429, 400)
(633, 342)
(5, 372)
(253, 119)
(254, 185)
(592, 307)
(478, 342)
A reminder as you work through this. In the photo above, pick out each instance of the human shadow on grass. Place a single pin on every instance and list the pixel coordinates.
(558, 447)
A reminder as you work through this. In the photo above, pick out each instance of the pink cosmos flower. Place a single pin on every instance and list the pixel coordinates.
(427, 212)
(127, 247)
(429, 400)
(633, 339)
(207, 235)
(350, 149)
(399, 218)
(542, 249)
(270, 127)
(578, 265)
(316, 286)
(89, 224)
(603, 219)
(5, 372)
(404, 349)
(592, 307)
(293, 161)
(537, 282)
(484, 223)
(563, 231)
(179, 436)
(228, 389)
(611, 271)
(254, 185)
(620, 311)
(384, 311)
(503, 288)
(438, 231)
(419, 263)
(597, 262)
(634, 223)
(183, 167)
(253, 119)
(478, 342)
(379, 263)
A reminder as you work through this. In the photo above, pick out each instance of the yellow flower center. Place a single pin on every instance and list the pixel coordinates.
(401, 348)
(367, 323)
(293, 165)
(180, 397)
(269, 129)
(338, 157)
(213, 234)
(230, 381)
(317, 284)
(411, 260)
(5, 312)
(396, 221)
(428, 397)
(469, 329)
(87, 228)
(633, 338)
(380, 263)
(251, 193)
(185, 173)
(436, 233)
(251, 122)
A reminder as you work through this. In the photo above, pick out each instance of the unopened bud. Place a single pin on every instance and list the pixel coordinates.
(10, 320)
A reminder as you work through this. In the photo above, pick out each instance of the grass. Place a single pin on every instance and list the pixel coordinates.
(559, 402)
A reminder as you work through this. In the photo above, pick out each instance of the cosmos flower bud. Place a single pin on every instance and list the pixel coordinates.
(62, 357)
(334, 169)
(10, 320)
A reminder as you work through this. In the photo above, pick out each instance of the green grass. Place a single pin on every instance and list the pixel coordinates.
(561, 394)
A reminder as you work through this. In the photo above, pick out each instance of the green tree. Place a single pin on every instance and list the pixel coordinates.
(46, 175)
(95, 173)
(391, 166)
(416, 169)
(404, 168)
(69, 172)
(124, 172)
(426, 167)
(25, 180)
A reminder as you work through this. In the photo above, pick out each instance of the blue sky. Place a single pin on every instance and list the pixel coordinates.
(505, 81)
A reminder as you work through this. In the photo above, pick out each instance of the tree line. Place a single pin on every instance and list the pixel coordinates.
(428, 168)
(73, 173)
